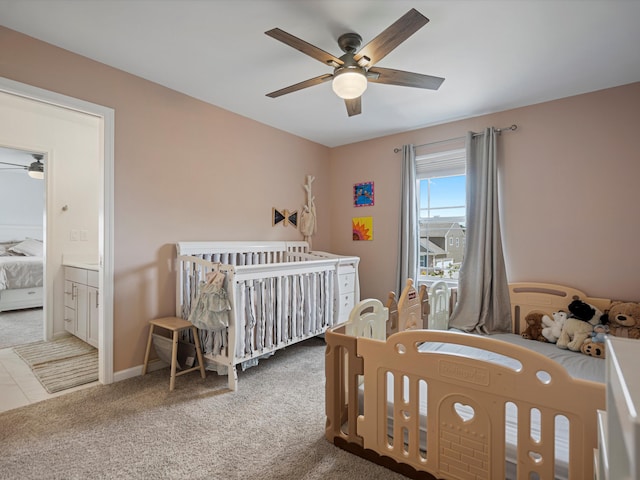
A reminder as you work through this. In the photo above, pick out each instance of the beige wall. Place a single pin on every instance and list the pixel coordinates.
(184, 170)
(569, 182)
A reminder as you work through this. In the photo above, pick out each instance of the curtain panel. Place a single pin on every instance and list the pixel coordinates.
(408, 253)
(483, 294)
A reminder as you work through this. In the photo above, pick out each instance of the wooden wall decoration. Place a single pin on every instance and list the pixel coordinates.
(285, 217)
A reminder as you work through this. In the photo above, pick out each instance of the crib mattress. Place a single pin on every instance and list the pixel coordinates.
(578, 366)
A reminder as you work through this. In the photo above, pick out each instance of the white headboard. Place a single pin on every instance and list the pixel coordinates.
(9, 233)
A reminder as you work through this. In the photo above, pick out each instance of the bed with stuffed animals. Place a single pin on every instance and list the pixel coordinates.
(509, 405)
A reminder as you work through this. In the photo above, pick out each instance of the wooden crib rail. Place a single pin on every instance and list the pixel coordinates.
(484, 387)
(529, 297)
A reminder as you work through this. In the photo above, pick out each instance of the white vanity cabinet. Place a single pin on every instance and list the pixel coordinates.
(81, 300)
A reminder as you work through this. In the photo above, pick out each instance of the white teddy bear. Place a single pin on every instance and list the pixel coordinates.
(552, 327)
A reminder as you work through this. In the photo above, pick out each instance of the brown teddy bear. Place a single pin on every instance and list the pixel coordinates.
(623, 320)
(534, 327)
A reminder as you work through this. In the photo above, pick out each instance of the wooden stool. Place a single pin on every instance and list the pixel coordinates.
(175, 325)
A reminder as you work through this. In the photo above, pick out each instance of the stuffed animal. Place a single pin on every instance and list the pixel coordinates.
(534, 327)
(552, 327)
(579, 325)
(599, 332)
(594, 346)
(585, 311)
(624, 319)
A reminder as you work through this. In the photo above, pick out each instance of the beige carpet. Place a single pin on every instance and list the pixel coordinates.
(62, 363)
(272, 428)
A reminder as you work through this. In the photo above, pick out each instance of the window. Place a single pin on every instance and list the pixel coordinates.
(442, 197)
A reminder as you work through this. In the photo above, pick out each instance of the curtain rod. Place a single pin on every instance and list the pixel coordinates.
(498, 130)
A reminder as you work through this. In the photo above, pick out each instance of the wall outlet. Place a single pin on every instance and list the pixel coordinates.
(75, 235)
(83, 235)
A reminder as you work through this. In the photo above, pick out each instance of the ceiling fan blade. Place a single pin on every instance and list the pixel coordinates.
(299, 86)
(14, 165)
(394, 35)
(305, 47)
(389, 76)
(354, 106)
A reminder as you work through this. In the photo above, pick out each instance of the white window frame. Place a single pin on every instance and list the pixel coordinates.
(433, 165)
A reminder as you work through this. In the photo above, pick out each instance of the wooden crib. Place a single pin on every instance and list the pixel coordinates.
(279, 293)
(502, 410)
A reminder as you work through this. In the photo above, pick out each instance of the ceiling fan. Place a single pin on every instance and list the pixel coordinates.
(353, 70)
(35, 170)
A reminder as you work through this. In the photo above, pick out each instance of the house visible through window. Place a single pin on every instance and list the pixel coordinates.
(441, 188)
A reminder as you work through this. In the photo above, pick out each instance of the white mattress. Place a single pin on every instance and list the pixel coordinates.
(577, 364)
(20, 272)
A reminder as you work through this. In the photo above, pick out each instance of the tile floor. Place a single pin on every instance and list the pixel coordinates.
(18, 385)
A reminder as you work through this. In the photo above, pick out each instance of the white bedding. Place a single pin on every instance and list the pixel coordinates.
(578, 366)
(18, 271)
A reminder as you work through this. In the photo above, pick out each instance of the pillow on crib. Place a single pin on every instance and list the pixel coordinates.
(29, 247)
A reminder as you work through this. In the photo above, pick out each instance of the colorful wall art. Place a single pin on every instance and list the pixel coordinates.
(363, 194)
(362, 228)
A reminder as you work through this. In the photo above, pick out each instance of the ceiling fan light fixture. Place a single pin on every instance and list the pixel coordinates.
(349, 83)
(36, 169)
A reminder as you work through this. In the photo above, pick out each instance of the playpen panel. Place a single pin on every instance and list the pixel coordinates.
(484, 385)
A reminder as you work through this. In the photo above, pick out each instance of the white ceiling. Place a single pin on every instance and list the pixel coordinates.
(494, 54)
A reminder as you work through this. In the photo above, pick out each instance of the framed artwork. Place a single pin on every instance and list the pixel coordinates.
(363, 194)
(362, 228)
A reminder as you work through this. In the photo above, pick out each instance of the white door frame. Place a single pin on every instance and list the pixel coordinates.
(105, 210)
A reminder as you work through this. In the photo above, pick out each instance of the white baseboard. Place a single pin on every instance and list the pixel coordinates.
(137, 371)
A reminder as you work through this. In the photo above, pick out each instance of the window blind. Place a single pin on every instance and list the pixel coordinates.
(441, 164)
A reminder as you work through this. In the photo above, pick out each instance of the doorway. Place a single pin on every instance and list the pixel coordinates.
(22, 206)
(29, 102)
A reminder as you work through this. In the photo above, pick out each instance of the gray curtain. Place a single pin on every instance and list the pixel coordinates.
(408, 255)
(483, 295)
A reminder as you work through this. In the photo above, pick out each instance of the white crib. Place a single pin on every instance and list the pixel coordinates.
(280, 293)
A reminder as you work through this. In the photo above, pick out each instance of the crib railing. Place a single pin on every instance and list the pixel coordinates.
(243, 253)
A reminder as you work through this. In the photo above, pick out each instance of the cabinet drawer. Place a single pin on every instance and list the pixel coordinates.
(75, 274)
(70, 295)
(346, 302)
(346, 283)
(92, 278)
(70, 320)
(346, 269)
(345, 305)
